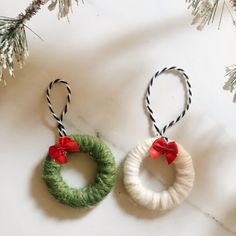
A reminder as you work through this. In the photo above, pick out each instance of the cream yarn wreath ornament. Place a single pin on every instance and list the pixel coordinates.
(155, 147)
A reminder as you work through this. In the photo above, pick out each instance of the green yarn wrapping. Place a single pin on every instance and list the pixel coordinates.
(90, 195)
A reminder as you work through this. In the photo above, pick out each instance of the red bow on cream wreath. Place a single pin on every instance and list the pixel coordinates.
(161, 147)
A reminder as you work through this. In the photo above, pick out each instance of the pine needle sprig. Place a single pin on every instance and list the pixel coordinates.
(13, 41)
(65, 6)
(204, 11)
(13, 44)
(230, 85)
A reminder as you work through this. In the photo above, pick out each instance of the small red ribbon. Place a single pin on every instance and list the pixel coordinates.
(59, 151)
(161, 147)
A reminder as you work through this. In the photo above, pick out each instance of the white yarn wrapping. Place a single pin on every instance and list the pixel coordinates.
(160, 201)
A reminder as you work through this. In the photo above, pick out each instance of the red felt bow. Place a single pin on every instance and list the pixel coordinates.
(64, 145)
(161, 147)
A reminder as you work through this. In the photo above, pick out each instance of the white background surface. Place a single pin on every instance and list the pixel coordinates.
(108, 52)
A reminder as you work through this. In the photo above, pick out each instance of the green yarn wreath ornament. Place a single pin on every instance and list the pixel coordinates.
(58, 154)
(92, 194)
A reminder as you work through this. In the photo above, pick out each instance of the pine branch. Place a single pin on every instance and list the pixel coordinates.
(13, 41)
(31, 10)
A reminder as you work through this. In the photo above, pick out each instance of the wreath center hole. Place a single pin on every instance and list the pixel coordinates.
(157, 175)
(80, 170)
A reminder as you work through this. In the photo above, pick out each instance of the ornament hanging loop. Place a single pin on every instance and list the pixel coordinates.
(173, 69)
(59, 119)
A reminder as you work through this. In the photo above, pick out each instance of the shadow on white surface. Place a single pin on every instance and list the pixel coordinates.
(211, 150)
(230, 217)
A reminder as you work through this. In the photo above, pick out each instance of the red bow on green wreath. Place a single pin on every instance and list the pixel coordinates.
(161, 147)
(59, 151)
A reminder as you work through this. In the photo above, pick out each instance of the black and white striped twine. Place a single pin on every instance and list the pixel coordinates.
(162, 131)
(59, 119)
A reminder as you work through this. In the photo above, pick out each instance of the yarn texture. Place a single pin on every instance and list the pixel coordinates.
(92, 194)
(167, 199)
